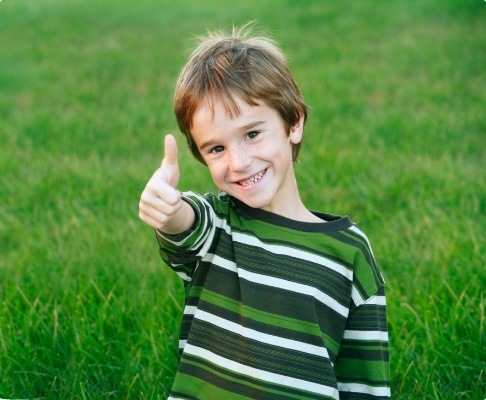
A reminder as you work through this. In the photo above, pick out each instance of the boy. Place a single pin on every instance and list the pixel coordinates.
(281, 302)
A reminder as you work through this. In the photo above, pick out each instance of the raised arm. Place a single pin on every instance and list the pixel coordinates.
(161, 205)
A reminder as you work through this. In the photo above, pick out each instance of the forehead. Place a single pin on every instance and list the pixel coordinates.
(213, 109)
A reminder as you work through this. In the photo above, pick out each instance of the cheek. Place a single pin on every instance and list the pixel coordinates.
(266, 150)
(217, 173)
(276, 150)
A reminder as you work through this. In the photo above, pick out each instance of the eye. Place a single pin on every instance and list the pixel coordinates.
(217, 149)
(252, 134)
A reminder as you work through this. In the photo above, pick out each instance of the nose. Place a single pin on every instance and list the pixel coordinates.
(239, 160)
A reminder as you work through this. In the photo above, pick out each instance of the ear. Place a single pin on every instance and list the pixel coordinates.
(297, 131)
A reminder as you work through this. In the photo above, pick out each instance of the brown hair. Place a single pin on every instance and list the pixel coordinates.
(225, 66)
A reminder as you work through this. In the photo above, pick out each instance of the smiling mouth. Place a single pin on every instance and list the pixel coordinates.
(253, 179)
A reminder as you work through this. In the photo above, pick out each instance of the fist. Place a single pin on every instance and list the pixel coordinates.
(161, 200)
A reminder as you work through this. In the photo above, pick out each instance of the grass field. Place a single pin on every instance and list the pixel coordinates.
(396, 139)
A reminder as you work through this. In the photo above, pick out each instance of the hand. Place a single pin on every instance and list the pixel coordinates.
(161, 201)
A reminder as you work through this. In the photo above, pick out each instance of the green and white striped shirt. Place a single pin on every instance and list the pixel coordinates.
(276, 308)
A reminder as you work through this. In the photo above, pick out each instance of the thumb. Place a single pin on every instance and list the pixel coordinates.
(170, 163)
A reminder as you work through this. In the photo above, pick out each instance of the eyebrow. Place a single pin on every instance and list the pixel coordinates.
(244, 128)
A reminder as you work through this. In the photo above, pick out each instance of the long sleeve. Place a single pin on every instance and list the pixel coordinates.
(182, 252)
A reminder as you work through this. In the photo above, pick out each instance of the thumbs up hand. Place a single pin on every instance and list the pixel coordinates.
(170, 163)
(161, 205)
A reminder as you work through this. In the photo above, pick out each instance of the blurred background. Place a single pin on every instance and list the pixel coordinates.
(395, 139)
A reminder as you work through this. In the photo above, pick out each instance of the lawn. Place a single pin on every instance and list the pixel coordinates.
(396, 139)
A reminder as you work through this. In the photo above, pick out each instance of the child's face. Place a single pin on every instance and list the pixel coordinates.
(249, 155)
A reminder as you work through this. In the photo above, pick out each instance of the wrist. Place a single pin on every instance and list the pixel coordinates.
(182, 221)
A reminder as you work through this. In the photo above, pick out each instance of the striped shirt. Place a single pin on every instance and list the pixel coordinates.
(276, 308)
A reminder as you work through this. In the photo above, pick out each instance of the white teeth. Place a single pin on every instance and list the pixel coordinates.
(253, 179)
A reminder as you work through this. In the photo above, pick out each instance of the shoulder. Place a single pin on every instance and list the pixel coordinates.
(368, 279)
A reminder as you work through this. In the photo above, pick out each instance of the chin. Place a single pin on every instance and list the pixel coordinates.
(255, 203)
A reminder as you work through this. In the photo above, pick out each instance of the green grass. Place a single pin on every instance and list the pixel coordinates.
(396, 139)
